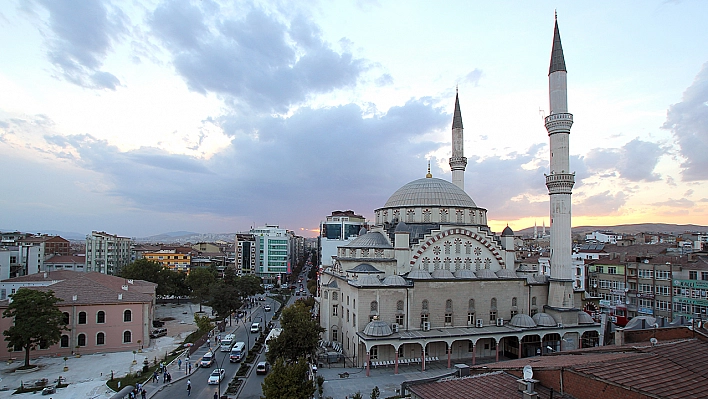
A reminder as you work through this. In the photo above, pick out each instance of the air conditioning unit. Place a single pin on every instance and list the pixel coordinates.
(394, 327)
(500, 322)
(560, 325)
(426, 326)
(479, 323)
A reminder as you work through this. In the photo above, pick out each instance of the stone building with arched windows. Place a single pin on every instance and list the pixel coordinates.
(431, 282)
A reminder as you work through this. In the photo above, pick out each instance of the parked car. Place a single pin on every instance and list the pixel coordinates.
(207, 360)
(216, 376)
(158, 332)
(262, 368)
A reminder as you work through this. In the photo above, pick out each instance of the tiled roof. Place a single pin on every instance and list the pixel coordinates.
(483, 386)
(66, 259)
(91, 287)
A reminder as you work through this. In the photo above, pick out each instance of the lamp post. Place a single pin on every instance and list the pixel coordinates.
(222, 368)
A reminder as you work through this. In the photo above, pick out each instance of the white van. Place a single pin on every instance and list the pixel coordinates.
(237, 352)
(255, 327)
(227, 342)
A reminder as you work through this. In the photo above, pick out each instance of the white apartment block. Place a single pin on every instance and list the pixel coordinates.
(106, 253)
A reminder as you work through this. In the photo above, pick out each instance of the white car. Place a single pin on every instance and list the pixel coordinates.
(266, 308)
(216, 376)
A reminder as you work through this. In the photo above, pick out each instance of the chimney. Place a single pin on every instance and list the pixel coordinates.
(527, 388)
(74, 298)
(120, 297)
(130, 281)
(124, 287)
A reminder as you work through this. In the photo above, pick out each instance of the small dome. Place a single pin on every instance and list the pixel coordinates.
(506, 273)
(395, 281)
(584, 318)
(370, 240)
(378, 328)
(544, 320)
(429, 192)
(368, 280)
(640, 323)
(441, 273)
(486, 273)
(522, 321)
(401, 227)
(419, 274)
(362, 231)
(508, 232)
(464, 273)
(364, 268)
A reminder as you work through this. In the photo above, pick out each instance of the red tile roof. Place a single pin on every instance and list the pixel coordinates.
(483, 386)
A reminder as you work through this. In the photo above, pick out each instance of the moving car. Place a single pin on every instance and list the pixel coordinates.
(207, 360)
(255, 327)
(262, 368)
(266, 308)
(216, 376)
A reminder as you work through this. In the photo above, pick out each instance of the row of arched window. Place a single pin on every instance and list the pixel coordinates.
(100, 317)
(100, 339)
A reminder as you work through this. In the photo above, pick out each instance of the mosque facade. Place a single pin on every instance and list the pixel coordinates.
(429, 281)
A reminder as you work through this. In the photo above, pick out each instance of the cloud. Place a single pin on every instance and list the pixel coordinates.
(82, 34)
(635, 161)
(473, 77)
(601, 204)
(688, 122)
(255, 61)
(679, 203)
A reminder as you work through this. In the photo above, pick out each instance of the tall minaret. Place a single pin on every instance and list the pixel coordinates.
(560, 181)
(458, 162)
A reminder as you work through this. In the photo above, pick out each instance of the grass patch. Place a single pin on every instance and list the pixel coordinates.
(143, 375)
(243, 370)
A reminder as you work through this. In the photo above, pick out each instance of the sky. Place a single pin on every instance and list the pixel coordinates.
(145, 117)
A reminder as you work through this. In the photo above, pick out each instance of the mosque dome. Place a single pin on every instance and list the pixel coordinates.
(544, 320)
(430, 192)
(584, 318)
(364, 268)
(442, 273)
(372, 239)
(368, 280)
(486, 273)
(395, 280)
(419, 274)
(465, 273)
(522, 321)
(506, 273)
(378, 328)
(507, 232)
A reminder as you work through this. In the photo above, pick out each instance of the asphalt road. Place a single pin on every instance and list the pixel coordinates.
(200, 376)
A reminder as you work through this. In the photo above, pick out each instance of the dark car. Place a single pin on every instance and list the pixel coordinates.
(262, 368)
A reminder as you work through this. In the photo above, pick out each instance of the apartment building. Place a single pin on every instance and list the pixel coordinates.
(338, 229)
(690, 288)
(177, 259)
(273, 256)
(246, 256)
(107, 253)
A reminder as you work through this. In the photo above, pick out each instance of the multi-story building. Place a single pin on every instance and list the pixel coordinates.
(649, 285)
(246, 257)
(34, 250)
(107, 253)
(273, 246)
(177, 259)
(690, 287)
(65, 262)
(606, 237)
(607, 281)
(338, 229)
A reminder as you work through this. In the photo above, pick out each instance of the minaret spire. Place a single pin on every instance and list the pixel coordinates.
(560, 181)
(458, 162)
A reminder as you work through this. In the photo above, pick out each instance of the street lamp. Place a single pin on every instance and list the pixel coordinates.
(222, 368)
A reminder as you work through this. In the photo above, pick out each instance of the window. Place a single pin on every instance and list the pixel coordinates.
(666, 275)
(127, 315)
(354, 320)
(448, 318)
(493, 304)
(533, 301)
(81, 340)
(401, 351)
(611, 269)
(347, 300)
(423, 318)
(493, 316)
(470, 318)
(335, 296)
(399, 319)
(82, 317)
(425, 304)
(334, 310)
(66, 318)
(645, 273)
(374, 352)
(513, 301)
(64, 341)
(354, 303)
(335, 334)
(662, 305)
(374, 307)
(100, 317)
(127, 337)
(693, 275)
(347, 315)
(600, 269)
(704, 276)
(326, 295)
(399, 306)
(645, 288)
(100, 339)
(663, 290)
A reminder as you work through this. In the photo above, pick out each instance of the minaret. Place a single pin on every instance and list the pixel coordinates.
(458, 162)
(560, 180)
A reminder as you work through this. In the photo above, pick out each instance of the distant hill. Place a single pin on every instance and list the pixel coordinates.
(186, 236)
(629, 229)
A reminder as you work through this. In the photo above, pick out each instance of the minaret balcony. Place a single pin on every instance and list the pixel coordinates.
(559, 123)
(458, 162)
(560, 183)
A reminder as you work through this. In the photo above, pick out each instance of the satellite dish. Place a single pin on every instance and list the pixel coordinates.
(653, 341)
(528, 373)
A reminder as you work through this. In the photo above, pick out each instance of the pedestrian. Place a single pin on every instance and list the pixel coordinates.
(208, 343)
(169, 377)
(216, 395)
(189, 387)
(143, 394)
(179, 364)
(190, 368)
(154, 376)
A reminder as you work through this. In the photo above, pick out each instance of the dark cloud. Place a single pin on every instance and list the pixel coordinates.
(255, 61)
(635, 161)
(688, 122)
(82, 35)
(601, 204)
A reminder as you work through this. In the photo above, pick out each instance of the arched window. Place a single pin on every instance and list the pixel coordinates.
(426, 215)
(448, 305)
(81, 340)
(533, 300)
(127, 337)
(100, 339)
(66, 317)
(513, 301)
(127, 315)
(82, 317)
(399, 305)
(425, 305)
(374, 306)
(100, 317)
(471, 305)
(335, 296)
(64, 342)
(326, 295)
(494, 304)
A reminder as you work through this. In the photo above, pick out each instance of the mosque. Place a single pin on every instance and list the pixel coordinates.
(431, 282)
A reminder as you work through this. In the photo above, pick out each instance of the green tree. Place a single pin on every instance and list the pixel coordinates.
(176, 283)
(149, 270)
(249, 285)
(375, 393)
(37, 320)
(225, 299)
(200, 281)
(288, 381)
(299, 337)
(203, 323)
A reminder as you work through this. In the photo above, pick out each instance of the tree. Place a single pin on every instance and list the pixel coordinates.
(288, 381)
(152, 271)
(299, 337)
(225, 299)
(177, 284)
(38, 320)
(375, 393)
(200, 281)
(249, 285)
